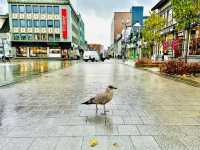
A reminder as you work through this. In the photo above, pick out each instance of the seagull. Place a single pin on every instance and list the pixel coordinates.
(102, 98)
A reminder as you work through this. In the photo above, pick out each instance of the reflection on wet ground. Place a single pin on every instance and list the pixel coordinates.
(147, 112)
(27, 69)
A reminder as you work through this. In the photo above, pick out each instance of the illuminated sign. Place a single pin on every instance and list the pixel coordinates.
(64, 23)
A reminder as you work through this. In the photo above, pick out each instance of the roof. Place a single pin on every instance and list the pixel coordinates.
(4, 24)
(160, 4)
(40, 1)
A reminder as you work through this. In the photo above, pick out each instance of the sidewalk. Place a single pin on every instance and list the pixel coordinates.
(189, 80)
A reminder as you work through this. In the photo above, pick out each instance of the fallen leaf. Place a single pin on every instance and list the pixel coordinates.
(115, 145)
(93, 142)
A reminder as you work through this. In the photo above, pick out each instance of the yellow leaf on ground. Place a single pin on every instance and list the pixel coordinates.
(93, 142)
(116, 145)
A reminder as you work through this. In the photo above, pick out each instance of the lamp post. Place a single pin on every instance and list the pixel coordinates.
(126, 25)
(138, 27)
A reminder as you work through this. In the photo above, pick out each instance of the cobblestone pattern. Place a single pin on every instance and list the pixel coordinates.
(147, 112)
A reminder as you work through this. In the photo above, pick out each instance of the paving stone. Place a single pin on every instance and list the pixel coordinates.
(44, 144)
(69, 143)
(144, 143)
(128, 130)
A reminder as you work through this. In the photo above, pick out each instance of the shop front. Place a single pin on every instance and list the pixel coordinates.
(40, 50)
(195, 42)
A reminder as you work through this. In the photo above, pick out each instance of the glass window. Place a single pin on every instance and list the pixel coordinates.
(50, 37)
(49, 9)
(43, 23)
(37, 36)
(23, 37)
(57, 24)
(15, 23)
(22, 9)
(57, 37)
(14, 8)
(43, 9)
(36, 9)
(29, 23)
(23, 23)
(44, 37)
(36, 23)
(50, 23)
(29, 36)
(16, 36)
(28, 9)
(56, 9)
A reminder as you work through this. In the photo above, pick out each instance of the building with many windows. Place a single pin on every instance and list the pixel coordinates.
(173, 44)
(47, 28)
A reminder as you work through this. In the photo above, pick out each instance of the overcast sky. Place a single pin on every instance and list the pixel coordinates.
(97, 15)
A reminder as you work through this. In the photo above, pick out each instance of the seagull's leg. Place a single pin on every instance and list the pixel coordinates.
(96, 108)
(104, 109)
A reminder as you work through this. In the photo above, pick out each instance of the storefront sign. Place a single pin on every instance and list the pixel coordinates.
(64, 23)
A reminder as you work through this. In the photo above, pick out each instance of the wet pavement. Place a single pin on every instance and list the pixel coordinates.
(148, 112)
(20, 70)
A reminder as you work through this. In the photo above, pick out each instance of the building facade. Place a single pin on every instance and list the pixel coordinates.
(173, 44)
(118, 24)
(45, 28)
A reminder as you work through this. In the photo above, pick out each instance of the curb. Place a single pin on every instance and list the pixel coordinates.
(167, 76)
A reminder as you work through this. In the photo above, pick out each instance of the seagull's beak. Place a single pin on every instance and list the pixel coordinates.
(114, 88)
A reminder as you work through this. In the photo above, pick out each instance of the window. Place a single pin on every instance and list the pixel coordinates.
(36, 23)
(50, 37)
(49, 9)
(37, 36)
(22, 9)
(23, 37)
(50, 23)
(29, 23)
(28, 9)
(23, 23)
(15, 23)
(57, 37)
(43, 23)
(57, 24)
(36, 9)
(44, 37)
(56, 9)
(14, 8)
(16, 36)
(29, 36)
(43, 9)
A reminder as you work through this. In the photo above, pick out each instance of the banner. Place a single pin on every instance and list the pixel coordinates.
(64, 23)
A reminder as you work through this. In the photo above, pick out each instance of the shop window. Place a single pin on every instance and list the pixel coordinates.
(23, 37)
(50, 37)
(14, 8)
(23, 23)
(29, 23)
(37, 37)
(22, 9)
(57, 23)
(36, 23)
(57, 37)
(16, 36)
(43, 9)
(36, 9)
(28, 9)
(49, 9)
(15, 23)
(56, 9)
(50, 23)
(44, 37)
(30, 37)
(43, 23)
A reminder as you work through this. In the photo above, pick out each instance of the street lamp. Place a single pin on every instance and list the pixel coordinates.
(126, 25)
(138, 27)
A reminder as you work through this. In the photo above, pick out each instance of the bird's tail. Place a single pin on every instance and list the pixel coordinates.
(89, 102)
